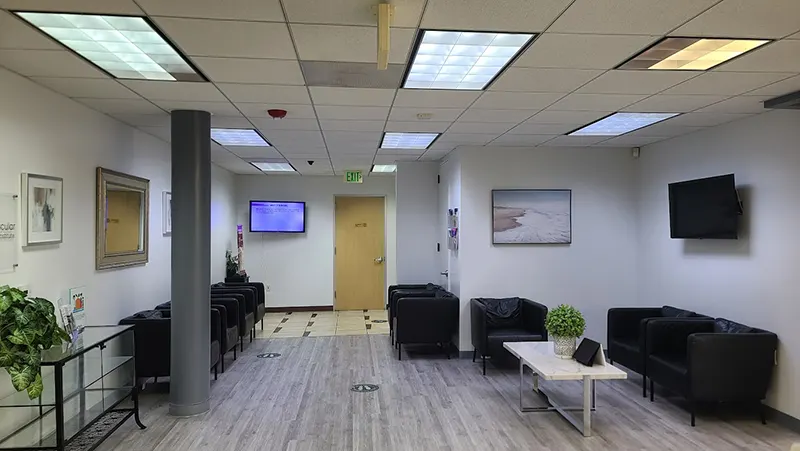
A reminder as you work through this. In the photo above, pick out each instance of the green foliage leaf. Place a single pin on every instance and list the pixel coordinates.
(565, 321)
(25, 337)
(21, 376)
(36, 388)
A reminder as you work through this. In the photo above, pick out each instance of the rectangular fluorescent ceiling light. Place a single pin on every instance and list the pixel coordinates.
(238, 137)
(384, 168)
(621, 123)
(125, 47)
(399, 140)
(691, 53)
(272, 167)
(462, 60)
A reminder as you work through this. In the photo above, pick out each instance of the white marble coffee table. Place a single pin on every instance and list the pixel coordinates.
(540, 357)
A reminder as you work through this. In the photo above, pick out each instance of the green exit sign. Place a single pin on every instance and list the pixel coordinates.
(353, 177)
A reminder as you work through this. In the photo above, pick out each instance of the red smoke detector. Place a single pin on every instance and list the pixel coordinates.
(277, 114)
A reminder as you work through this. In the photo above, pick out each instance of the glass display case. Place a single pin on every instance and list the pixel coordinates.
(89, 391)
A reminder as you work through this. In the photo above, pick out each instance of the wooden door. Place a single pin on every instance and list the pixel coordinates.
(359, 253)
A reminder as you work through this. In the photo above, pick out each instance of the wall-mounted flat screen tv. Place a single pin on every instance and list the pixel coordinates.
(277, 216)
(704, 208)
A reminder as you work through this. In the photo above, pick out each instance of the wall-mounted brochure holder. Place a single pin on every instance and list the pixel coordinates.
(8, 232)
(452, 228)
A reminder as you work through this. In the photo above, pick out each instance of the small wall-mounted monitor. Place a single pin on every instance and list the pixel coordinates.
(277, 216)
(704, 208)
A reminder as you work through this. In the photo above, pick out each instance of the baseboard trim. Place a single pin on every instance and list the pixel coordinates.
(783, 419)
(307, 308)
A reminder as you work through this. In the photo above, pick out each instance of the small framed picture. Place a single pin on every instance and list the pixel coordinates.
(166, 213)
(42, 209)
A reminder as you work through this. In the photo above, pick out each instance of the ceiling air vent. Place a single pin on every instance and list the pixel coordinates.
(784, 102)
(351, 75)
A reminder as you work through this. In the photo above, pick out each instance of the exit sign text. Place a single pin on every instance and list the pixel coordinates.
(353, 177)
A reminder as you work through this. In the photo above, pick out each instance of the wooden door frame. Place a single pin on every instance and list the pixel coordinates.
(385, 227)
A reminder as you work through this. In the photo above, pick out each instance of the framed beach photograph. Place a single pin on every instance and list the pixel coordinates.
(42, 209)
(532, 216)
(166, 213)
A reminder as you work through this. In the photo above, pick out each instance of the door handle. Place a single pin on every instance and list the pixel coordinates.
(445, 273)
(379, 260)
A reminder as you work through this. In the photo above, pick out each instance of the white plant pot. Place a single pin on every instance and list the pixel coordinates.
(564, 346)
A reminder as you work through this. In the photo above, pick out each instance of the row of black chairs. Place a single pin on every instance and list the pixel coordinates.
(422, 314)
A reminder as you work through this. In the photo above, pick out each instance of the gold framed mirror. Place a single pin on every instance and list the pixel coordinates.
(123, 220)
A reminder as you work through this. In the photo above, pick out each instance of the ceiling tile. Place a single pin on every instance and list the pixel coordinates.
(252, 10)
(582, 51)
(352, 12)
(48, 63)
(171, 90)
(268, 125)
(673, 104)
(596, 102)
(705, 119)
(252, 71)
(382, 158)
(543, 80)
(238, 166)
(162, 133)
(416, 126)
(665, 130)
(16, 34)
(357, 44)
(353, 137)
(353, 126)
(509, 140)
(352, 96)
(516, 100)
(303, 151)
(434, 155)
(532, 128)
(647, 17)
(497, 128)
(294, 95)
(434, 98)
(220, 108)
(574, 141)
(629, 141)
(778, 89)
(726, 83)
(486, 115)
(255, 152)
(231, 39)
(778, 56)
(292, 111)
(230, 122)
(567, 117)
(356, 113)
(409, 114)
(295, 138)
(740, 104)
(465, 138)
(321, 166)
(497, 15)
(746, 19)
(361, 152)
(124, 7)
(161, 119)
(87, 87)
(635, 81)
(119, 106)
(445, 146)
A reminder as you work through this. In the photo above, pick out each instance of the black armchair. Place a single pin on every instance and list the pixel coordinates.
(261, 299)
(407, 291)
(710, 360)
(496, 321)
(248, 297)
(409, 286)
(626, 335)
(429, 319)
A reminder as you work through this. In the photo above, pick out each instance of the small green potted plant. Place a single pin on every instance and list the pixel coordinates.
(564, 324)
(28, 326)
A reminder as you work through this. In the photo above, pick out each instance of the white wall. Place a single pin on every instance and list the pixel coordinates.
(449, 199)
(753, 280)
(223, 220)
(299, 268)
(417, 222)
(595, 272)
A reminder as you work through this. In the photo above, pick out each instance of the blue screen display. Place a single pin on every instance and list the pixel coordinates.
(280, 217)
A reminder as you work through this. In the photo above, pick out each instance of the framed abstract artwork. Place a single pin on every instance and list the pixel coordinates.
(532, 216)
(42, 209)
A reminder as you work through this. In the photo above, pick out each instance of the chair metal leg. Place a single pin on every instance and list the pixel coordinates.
(155, 380)
(484, 364)
(692, 407)
(241, 344)
(474, 353)
(222, 359)
(215, 371)
(234, 353)
(262, 323)
(644, 386)
(762, 413)
(399, 352)
(652, 390)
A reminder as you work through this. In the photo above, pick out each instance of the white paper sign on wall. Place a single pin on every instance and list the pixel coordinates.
(9, 231)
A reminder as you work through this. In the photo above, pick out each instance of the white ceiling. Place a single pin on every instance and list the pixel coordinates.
(251, 54)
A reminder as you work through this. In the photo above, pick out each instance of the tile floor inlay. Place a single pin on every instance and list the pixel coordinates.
(323, 324)
(269, 355)
(364, 388)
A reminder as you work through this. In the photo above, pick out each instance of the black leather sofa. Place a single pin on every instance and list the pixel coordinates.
(626, 337)
(261, 299)
(428, 319)
(395, 292)
(152, 338)
(247, 297)
(496, 321)
(711, 361)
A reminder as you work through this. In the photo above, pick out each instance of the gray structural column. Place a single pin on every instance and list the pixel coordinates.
(190, 388)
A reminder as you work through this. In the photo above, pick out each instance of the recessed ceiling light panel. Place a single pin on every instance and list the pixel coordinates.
(398, 140)
(238, 137)
(462, 60)
(384, 168)
(621, 123)
(691, 53)
(265, 166)
(124, 46)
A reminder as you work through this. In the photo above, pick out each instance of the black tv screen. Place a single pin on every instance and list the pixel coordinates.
(704, 208)
(277, 217)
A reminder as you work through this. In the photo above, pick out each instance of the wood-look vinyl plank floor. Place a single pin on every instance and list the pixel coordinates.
(302, 402)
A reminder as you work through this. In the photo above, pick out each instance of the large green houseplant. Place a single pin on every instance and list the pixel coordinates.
(28, 326)
(564, 324)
